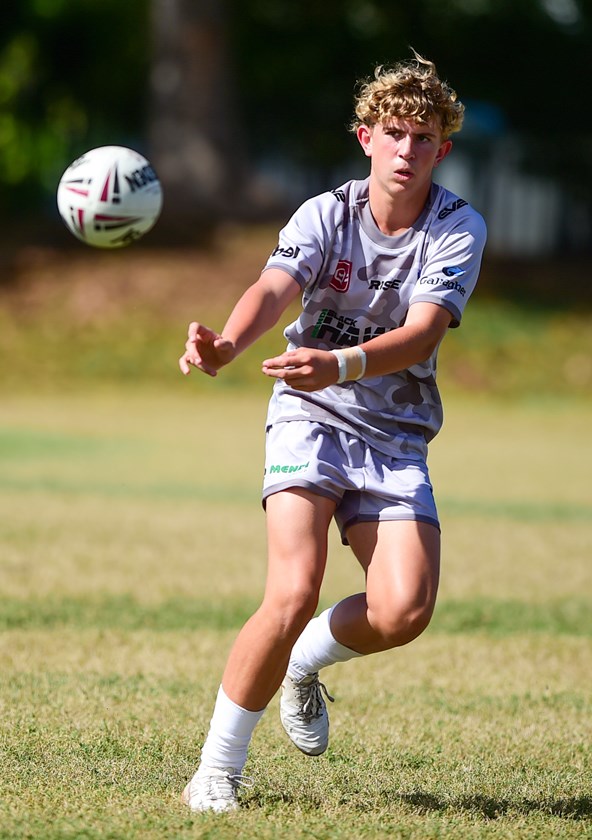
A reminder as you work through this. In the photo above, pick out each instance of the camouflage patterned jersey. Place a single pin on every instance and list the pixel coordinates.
(358, 283)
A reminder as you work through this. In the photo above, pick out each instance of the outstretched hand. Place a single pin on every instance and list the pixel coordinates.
(206, 350)
(304, 369)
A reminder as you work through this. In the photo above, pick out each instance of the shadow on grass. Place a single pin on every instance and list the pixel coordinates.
(572, 808)
(422, 802)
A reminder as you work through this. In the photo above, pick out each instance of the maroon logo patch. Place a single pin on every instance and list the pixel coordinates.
(342, 276)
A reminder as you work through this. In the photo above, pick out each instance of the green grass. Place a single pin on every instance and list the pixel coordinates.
(567, 616)
(132, 547)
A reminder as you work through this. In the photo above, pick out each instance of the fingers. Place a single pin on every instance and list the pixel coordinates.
(196, 330)
(184, 365)
(199, 334)
(304, 369)
(205, 350)
(286, 361)
(196, 333)
(293, 367)
(191, 359)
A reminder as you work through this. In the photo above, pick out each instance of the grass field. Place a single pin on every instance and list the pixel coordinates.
(132, 546)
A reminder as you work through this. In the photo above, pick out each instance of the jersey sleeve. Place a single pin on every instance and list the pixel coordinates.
(304, 243)
(451, 264)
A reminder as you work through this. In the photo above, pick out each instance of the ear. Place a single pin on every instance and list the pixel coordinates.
(364, 135)
(443, 151)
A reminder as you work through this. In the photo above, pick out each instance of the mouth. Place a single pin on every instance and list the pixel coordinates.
(403, 174)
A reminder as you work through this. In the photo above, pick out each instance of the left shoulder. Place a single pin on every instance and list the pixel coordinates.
(449, 210)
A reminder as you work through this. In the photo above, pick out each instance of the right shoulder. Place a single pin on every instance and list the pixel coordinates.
(331, 209)
(307, 240)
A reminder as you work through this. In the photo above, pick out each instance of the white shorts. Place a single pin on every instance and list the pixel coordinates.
(366, 485)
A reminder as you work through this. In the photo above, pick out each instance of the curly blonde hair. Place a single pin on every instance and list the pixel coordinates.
(411, 90)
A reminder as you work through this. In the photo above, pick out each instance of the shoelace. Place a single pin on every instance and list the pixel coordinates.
(311, 699)
(225, 786)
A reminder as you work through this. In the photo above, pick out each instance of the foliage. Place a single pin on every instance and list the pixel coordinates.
(72, 76)
(75, 73)
(297, 65)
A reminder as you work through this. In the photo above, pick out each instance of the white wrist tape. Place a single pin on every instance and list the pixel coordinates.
(351, 364)
(341, 366)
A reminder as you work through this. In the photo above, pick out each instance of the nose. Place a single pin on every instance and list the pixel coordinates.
(406, 150)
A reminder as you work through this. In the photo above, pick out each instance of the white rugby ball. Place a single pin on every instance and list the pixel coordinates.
(109, 197)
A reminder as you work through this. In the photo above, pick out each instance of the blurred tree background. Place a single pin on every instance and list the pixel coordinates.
(243, 108)
(72, 74)
(243, 105)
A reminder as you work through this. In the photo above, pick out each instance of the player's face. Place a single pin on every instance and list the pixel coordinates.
(404, 153)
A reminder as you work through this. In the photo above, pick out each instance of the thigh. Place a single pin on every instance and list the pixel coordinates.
(297, 535)
(401, 560)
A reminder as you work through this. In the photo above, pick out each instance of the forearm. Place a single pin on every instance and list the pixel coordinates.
(408, 345)
(253, 315)
(397, 350)
(309, 369)
(259, 309)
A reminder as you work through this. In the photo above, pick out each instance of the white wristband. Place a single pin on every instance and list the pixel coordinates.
(363, 360)
(351, 364)
(341, 365)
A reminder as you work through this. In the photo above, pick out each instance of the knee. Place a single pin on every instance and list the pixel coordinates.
(291, 610)
(401, 624)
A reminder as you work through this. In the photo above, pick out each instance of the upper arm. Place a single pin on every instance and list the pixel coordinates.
(431, 320)
(278, 286)
(452, 262)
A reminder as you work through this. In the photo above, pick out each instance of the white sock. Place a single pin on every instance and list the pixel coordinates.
(316, 647)
(230, 732)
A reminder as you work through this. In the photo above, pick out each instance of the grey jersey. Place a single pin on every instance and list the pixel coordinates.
(359, 283)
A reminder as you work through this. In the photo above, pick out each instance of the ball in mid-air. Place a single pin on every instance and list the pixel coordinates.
(109, 197)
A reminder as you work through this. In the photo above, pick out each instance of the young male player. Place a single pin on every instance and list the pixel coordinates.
(384, 266)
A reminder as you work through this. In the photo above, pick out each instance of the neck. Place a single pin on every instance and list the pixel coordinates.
(396, 214)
